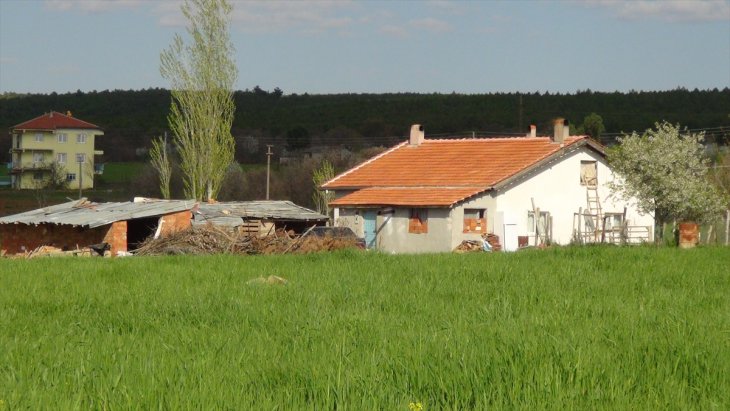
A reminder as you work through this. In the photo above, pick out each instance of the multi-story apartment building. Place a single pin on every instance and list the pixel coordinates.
(54, 146)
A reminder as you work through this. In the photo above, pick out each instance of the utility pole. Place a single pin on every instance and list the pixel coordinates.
(268, 168)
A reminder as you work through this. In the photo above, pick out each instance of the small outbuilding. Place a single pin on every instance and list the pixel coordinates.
(79, 224)
(258, 217)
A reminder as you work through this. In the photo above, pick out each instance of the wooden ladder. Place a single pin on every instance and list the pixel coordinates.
(594, 208)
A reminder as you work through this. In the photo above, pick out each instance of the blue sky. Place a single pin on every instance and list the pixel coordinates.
(379, 46)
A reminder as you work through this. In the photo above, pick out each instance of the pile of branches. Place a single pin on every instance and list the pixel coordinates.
(215, 240)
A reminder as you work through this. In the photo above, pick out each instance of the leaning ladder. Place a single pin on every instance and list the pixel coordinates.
(594, 208)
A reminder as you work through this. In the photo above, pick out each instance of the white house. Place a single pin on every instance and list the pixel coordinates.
(429, 195)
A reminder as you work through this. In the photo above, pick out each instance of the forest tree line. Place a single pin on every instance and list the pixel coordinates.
(132, 118)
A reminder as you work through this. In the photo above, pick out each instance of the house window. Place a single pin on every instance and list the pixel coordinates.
(588, 173)
(71, 177)
(62, 138)
(80, 157)
(542, 222)
(61, 158)
(418, 221)
(38, 175)
(81, 138)
(39, 137)
(474, 220)
(37, 157)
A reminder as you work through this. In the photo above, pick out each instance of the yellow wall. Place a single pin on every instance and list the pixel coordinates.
(49, 148)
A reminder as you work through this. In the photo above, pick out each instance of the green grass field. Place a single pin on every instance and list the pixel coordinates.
(568, 328)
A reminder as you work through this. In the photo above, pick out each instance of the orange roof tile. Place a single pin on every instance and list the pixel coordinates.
(450, 163)
(53, 121)
(407, 196)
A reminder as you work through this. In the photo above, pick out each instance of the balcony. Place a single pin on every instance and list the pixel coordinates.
(17, 168)
(31, 149)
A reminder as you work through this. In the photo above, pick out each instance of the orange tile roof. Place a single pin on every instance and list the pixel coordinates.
(53, 121)
(465, 162)
(443, 172)
(407, 196)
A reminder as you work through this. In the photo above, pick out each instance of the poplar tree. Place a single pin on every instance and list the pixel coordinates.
(161, 162)
(202, 74)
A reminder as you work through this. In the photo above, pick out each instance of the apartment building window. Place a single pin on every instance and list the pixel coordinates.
(62, 138)
(474, 220)
(39, 137)
(61, 158)
(80, 157)
(81, 138)
(418, 221)
(71, 177)
(37, 157)
(38, 175)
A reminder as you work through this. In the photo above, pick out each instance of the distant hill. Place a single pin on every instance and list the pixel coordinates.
(131, 119)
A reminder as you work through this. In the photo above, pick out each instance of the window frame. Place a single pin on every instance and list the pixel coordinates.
(80, 158)
(81, 138)
(38, 157)
(70, 176)
(476, 224)
(418, 221)
(61, 158)
(38, 137)
(62, 138)
(583, 167)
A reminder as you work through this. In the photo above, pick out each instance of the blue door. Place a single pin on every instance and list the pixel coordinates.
(369, 226)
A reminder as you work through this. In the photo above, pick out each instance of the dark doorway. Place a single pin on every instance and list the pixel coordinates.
(139, 230)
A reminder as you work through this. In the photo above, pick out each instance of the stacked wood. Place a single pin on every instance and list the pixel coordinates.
(468, 246)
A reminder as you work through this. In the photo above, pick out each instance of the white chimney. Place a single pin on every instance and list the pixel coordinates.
(533, 131)
(560, 130)
(417, 135)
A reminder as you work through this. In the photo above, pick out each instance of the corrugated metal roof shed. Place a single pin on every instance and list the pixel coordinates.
(85, 213)
(233, 213)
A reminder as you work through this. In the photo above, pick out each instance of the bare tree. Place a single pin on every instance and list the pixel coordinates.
(202, 75)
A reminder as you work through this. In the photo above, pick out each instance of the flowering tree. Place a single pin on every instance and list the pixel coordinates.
(666, 171)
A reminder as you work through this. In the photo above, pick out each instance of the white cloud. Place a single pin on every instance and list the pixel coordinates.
(63, 69)
(412, 27)
(430, 24)
(91, 6)
(669, 10)
(393, 31)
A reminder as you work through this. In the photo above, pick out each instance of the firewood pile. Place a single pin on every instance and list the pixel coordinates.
(468, 246)
(214, 240)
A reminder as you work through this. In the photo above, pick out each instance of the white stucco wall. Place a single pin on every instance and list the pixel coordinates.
(556, 188)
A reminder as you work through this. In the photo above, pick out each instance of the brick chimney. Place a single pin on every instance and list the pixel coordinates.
(417, 135)
(561, 130)
(533, 131)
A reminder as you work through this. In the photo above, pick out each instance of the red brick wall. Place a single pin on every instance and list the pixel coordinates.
(175, 222)
(19, 238)
(116, 236)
